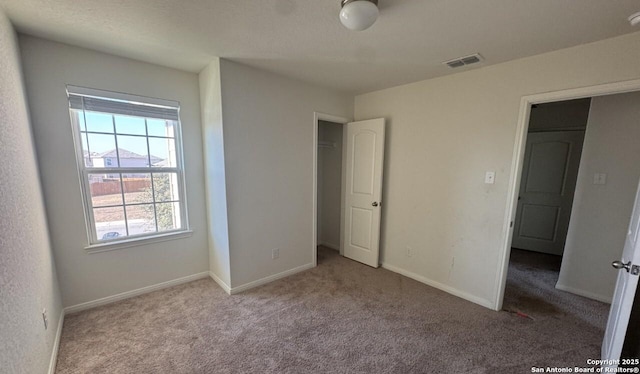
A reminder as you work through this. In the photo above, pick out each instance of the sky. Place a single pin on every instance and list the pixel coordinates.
(125, 127)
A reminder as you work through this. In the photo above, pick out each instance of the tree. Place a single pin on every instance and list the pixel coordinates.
(165, 215)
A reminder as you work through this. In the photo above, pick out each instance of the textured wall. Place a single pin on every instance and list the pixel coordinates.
(268, 149)
(84, 277)
(28, 281)
(443, 135)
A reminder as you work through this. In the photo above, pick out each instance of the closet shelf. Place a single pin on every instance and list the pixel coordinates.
(323, 144)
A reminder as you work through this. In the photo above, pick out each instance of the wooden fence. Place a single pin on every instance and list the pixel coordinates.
(112, 186)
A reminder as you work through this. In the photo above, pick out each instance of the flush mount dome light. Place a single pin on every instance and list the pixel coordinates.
(359, 15)
(634, 19)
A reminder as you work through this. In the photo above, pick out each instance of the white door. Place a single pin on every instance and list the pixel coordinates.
(625, 290)
(549, 177)
(364, 157)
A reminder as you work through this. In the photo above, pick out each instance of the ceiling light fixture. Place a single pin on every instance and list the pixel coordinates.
(634, 19)
(359, 15)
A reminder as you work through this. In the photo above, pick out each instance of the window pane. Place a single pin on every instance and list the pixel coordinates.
(137, 188)
(105, 190)
(165, 186)
(110, 223)
(85, 149)
(163, 152)
(168, 216)
(99, 122)
(141, 219)
(103, 150)
(120, 153)
(160, 127)
(78, 118)
(130, 125)
(133, 151)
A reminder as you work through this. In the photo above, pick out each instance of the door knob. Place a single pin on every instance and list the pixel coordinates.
(375, 203)
(621, 265)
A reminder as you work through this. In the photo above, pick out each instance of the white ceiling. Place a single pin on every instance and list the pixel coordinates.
(304, 39)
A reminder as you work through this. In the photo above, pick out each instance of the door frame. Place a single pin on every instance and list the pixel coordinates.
(518, 160)
(319, 116)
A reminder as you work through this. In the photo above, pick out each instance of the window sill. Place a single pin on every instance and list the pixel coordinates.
(135, 242)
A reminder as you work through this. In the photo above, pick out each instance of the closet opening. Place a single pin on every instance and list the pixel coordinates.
(329, 170)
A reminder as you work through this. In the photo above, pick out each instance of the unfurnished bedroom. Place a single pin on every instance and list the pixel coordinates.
(344, 186)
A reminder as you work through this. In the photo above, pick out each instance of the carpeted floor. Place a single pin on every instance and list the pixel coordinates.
(341, 317)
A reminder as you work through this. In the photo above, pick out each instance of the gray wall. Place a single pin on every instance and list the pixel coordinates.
(28, 282)
(443, 134)
(600, 213)
(85, 277)
(268, 154)
(216, 191)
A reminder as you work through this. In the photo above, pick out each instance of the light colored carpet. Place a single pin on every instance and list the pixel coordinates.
(341, 317)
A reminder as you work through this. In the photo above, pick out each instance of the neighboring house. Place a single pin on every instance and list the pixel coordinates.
(127, 159)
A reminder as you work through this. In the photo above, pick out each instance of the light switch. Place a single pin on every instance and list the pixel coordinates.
(599, 178)
(490, 177)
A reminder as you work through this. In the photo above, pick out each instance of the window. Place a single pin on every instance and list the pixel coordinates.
(129, 160)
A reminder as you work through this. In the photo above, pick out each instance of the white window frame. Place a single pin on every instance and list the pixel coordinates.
(96, 244)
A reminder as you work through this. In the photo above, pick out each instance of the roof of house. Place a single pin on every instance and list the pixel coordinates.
(124, 153)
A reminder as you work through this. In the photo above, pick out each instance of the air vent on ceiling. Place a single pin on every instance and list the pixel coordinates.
(462, 61)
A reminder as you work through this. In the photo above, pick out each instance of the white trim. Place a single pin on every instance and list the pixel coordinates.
(448, 289)
(220, 283)
(134, 242)
(92, 92)
(271, 278)
(330, 245)
(343, 188)
(317, 116)
(84, 171)
(133, 293)
(583, 293)
(518, 159)
(56, 344)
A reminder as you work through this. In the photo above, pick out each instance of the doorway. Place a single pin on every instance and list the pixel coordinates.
(594, 92)
(574, 204)
(347, 187)
(552, 157)
(549, 174)
(604, 198)
(328, 134)
(329, 187)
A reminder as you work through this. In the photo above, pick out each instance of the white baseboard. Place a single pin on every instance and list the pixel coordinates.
(440, 286)
(134, 293)
(587, 294)
(269, 279)
(56, 344)
(220, 282)
(330, 245)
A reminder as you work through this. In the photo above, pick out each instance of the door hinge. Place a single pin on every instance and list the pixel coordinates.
(511, 224)
(635, 269)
